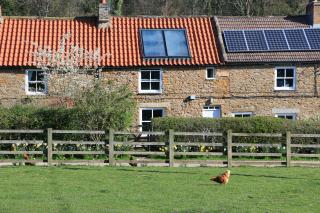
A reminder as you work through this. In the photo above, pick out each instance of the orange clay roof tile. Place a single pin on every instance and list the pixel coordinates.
(18, 37)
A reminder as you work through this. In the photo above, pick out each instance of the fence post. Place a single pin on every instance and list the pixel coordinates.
(229, 147)
(171, 148)
(49, 149)
(111, 147)
(288, 148)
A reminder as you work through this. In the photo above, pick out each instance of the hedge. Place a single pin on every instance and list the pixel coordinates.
(247, 125)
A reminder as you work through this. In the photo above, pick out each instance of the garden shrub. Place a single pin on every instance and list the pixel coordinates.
(245, 125)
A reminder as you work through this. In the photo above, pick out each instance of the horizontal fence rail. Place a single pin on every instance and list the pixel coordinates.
(169, 148)
(14, 144)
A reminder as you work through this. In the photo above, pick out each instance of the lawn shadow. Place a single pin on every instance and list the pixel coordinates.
(160, 172)
(272, 176)
(76, 168)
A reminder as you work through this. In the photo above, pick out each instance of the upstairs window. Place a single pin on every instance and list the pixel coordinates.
(35, 82)
(150, 81)
(211, 73)
(165, 43)
(285, 78)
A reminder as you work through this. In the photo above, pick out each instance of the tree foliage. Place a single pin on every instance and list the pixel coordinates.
(71, 8)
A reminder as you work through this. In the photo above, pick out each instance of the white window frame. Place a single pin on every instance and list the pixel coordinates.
(294, 115)
(234, 114)
(27, 83)
(214, 73)
(211, 108)
(151, 91)
(285, 88)
(150, 108)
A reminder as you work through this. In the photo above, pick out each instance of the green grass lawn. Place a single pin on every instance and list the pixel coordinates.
(125, 189)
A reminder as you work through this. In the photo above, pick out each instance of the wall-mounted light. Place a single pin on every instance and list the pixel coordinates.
(192, 98)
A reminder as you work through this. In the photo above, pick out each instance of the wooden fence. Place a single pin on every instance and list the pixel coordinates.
(163, 148)
(16, 142)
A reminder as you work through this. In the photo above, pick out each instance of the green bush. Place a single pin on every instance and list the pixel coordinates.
(104, 106)
(98, 108)
(246, 125)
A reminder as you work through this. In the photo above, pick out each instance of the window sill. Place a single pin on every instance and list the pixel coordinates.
(285, 89)
(35, 94)
(211, 79)
(150, 92)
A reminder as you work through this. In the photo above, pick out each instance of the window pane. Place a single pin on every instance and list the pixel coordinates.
(146, 126)
(157, 113)
(40, 75)
(40, 87)
(32, 75)
(289, 83)
(246, 115)
(280, 73)
(155, 86)
(176, 43)
(238, 116)
(210, 73)
(145, 86)
(32, 87)
(290, 117)
(280, 83)
(146, 115)
(282, 116)
(155, 75)
(153, 43)
(290, 73)
(145, 75)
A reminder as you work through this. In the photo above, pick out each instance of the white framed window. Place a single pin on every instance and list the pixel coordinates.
(146, 116)
(290, 116)
(35, 82)
(242, 114)
(211, 112)
(285, 78)
(210, 73)
(150, 81)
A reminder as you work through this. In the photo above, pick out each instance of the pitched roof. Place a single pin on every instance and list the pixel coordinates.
(122, 40)
(248, 23)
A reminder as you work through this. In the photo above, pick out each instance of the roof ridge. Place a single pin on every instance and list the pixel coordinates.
(49, 18)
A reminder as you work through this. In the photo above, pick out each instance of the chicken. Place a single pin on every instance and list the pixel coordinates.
(26, 157)
(132, 163)
(223, 178)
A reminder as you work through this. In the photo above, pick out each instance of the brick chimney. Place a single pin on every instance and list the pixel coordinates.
(313, 12)
(104, 14)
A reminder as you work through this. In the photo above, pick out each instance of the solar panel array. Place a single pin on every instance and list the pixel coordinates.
(272, 40)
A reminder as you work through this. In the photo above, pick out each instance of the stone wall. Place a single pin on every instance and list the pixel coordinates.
(235, 89)
(245, 89)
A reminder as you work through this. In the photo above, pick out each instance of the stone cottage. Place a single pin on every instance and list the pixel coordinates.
(276, 72)
(177, 66)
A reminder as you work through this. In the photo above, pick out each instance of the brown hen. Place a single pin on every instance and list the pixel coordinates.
(223, 178)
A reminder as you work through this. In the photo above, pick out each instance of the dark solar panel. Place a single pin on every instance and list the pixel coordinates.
(235, 41)
(313, 36)
(276, 40)
(288, 40)
(256, 41)
(296, 39)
